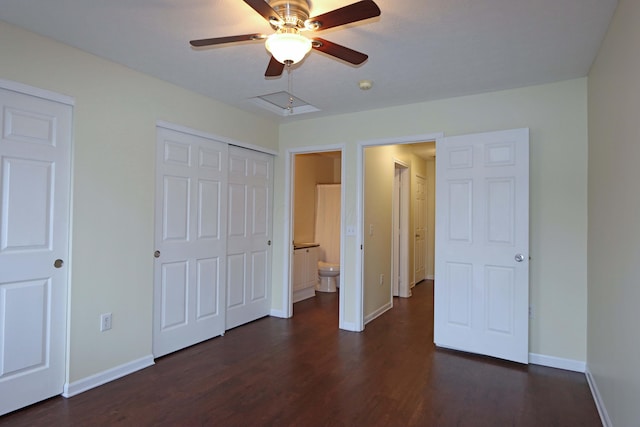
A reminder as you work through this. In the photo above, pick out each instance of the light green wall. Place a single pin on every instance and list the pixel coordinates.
(557, 116)
(614, 222)
(113, 185)
(378, 195)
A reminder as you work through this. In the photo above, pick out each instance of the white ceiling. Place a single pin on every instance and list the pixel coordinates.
(418, 49)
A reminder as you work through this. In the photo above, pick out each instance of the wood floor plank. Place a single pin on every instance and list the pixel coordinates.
(304, 371)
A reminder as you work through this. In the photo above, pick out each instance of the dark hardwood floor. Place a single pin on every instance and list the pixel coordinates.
(305, 372)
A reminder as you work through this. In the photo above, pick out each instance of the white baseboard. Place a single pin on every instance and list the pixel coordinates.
(430, 277)
(350, 326)
(278, 313)
(304, 294)
(378, 312)
(80, 386)
(557, 362)
(604, 415)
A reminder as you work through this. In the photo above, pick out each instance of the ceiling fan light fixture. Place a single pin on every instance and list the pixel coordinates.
(285, 46)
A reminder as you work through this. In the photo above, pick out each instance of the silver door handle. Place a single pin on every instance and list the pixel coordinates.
(519, 257)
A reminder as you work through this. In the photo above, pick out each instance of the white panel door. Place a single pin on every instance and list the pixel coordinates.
(34, 247)
(420, 220)
(249, 236)
(190, 231)
(482, 244)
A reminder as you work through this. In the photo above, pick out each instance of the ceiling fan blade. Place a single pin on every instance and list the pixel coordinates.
(274, 69)
(364, 9)
(229, 39)
(263, 8)
(341, 52)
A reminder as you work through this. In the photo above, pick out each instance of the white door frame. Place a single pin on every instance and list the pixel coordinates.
(413, 139)
(289, 189)
(400, 285)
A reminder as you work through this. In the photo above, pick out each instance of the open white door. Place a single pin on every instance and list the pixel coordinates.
(190, 235)
(35, 176)
(482, 244)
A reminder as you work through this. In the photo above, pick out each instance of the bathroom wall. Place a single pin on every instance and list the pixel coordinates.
(311, 169)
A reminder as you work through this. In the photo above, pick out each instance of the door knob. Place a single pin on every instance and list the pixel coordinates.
(519, 257)
(156, 254)
(58, 263)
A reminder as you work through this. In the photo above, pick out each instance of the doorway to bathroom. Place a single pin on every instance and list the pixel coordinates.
(316, 200)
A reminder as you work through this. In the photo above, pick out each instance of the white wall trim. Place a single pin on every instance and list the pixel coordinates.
(80, 386)
(359, 303)
(602, 410)
(287, 253)
(411, 139)
(304, 294)
(37, 92)
(557, 362)
(350, 326)
(207, 135)
(278, 313)
(379, 312)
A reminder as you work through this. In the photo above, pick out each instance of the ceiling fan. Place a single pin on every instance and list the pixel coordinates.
(289, 18)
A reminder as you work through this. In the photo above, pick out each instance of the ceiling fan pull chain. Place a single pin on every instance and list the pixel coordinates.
(289, 89)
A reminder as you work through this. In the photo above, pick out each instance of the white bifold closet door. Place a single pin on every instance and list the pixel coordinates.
(213, 238)
(249, 236)
(190, 235)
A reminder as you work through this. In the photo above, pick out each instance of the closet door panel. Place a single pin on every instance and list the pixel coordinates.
(190, 237)
(249, 235)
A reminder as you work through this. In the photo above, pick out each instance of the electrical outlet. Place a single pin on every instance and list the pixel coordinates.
(105, 322)
(351, 230)
(531, 312)
(381, 279)
(370, 229)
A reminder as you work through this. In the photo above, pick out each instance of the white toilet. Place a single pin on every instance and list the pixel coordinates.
(328, 277)
(327, 235)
